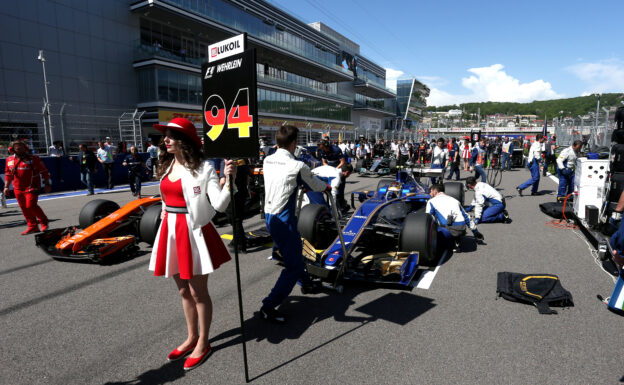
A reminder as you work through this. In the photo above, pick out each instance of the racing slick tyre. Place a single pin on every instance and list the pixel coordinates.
(312, 225)
(95, 210)
(420, 233)
(455, 190)
(392, 165)
(149, 223)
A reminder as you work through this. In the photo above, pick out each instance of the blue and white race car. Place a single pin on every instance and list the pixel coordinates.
(386, 238)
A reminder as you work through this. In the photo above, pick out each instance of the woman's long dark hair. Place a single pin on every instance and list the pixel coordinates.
(192, 155)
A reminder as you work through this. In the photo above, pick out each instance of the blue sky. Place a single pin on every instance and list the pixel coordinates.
(484, 50)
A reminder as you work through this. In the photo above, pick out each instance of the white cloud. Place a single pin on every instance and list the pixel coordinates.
(391, 77)
(601, 76)
(432, 81)
(494, 84)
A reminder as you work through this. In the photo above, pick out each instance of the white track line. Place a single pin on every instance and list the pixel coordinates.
(426, 279)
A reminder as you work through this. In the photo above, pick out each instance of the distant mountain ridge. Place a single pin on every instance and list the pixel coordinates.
(580, 105)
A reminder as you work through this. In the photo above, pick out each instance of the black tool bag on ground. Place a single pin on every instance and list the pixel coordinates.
(555, 209)
(541, 290)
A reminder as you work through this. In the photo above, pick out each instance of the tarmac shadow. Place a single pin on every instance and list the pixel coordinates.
(304, 311)
(167, 373)
(6, 213)
(11, 224)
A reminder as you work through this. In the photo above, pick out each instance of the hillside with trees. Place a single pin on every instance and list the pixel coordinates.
(581, 105)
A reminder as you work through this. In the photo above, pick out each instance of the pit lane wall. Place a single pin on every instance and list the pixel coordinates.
(65, 174)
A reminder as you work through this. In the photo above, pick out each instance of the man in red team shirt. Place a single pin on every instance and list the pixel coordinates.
(24, 171)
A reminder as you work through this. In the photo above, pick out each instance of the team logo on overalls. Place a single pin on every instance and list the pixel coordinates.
(11, 163)
(196, 190)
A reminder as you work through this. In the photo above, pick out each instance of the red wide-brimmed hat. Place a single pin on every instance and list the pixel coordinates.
(184, 127)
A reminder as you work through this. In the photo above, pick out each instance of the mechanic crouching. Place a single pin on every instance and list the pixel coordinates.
(488, 197)
(451, 218)
(566, 162)
(282, 175)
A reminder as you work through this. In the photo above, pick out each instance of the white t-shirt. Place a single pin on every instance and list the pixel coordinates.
(439, 156)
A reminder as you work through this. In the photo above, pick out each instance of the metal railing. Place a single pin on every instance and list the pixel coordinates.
(144, 51)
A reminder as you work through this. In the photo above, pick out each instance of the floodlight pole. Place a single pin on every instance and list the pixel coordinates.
(41, 58)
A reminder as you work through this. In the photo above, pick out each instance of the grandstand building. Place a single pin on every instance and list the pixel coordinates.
(104, 58)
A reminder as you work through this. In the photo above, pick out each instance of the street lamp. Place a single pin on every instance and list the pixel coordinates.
(47, 99)
(597, 111)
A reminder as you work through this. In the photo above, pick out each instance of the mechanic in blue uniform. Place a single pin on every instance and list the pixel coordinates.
(486, 196)
(136, 168)
(535, 157)
(566, 163)
(477, 160)
(451, 218)
(453, 159)
(282, 175)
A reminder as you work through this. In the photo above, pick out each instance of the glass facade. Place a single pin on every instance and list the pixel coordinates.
(411, 99)
(160, 39)
(365, 101)
(234, 17)
(166, 85)
(287, 104)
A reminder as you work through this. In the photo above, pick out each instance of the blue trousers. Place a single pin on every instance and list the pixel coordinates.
(287, 239)
(134, 180)
(535, 178)
(454, 170)
(506, 161)
(566, 182)
(494, 213)
(480, 172)
(86, 177)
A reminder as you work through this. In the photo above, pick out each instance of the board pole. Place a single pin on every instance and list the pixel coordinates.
(238, 278)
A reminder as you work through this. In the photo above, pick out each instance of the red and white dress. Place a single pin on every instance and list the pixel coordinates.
(180, 249)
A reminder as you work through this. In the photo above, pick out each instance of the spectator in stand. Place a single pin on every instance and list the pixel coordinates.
(105, 157)
(57, 149)
(152, 160)
(136, 169)
(88, 166)
(24, 171)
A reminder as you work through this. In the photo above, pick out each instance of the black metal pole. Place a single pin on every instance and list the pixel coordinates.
(238, 279)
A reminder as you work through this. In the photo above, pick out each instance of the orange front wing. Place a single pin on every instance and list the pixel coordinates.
(98, 231)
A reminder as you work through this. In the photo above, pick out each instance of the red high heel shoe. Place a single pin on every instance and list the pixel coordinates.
(177, 354)
(192, 363)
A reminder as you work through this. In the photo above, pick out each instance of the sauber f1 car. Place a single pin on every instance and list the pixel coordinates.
(104, 230)
(385, 240)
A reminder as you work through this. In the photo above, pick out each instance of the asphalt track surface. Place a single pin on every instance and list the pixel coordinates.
(77, 323)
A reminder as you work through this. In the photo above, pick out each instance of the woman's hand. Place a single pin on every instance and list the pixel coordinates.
(230, 168)
(162, 214)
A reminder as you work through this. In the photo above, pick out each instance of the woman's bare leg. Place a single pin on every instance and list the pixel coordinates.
(203, 306)
(190, 312)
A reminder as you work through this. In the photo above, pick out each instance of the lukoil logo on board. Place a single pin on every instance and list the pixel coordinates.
(227, 47)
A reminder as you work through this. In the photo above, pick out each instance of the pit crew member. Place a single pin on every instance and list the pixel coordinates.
(477, 160)
(282, 175)
(439, 158)
(136, 167)
(335, 178)
(566, 163)
(451, 217)
(535, 157)
(25, 172)
(486, 195)
(507, 151)
(331, 154)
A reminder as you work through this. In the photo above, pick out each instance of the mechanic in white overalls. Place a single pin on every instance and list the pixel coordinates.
(282, 175)
(486, 195)
(334, 177)
(535, 157)
(566, 163)
(451, 218)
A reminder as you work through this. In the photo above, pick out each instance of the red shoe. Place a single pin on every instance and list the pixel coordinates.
(44, 226)
(31, 230)
(192, 363)
(177, 354)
